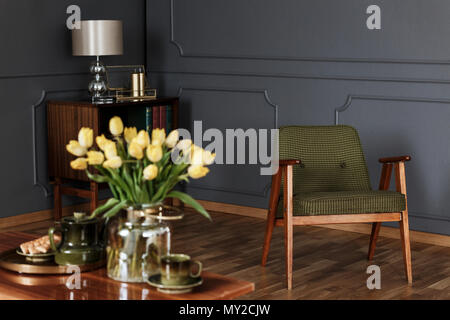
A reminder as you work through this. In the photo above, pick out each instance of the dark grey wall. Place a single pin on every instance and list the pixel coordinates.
(35, 65)
(234, 61)
(253, 63)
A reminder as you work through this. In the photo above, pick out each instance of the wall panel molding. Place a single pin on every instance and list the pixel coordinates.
(304, 76)
(353, 97)
(241, 90)
(41, 75)
(183, 53)
(263, 193)
(214, 57)
(34, 107)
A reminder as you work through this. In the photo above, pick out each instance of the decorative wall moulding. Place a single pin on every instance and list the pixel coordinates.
(39, 103)
(257, 91)
(304, 76)
(353, 97)
(263, 193)
(182, 52)
(41, 75)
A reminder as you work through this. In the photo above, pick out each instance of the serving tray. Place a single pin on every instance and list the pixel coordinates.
(12, 261)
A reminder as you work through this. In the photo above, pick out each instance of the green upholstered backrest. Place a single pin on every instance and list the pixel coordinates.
(332, 158)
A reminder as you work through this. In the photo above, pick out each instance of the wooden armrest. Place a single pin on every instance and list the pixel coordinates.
(289, 162)
(394, 159)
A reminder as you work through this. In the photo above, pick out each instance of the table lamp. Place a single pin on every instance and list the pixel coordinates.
(98, 38)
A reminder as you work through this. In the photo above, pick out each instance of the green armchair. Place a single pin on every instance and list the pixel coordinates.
(323, 179)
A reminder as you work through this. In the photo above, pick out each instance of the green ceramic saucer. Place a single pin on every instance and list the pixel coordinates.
(155, 281)
(36, 257)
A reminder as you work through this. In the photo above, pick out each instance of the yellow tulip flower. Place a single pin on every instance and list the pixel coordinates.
(208, 157)
(113, 163)
(116, 126)
(158, 137)
(75, 148)
(199, 156)
(150, 172)
(79, 164)
(135, 150)
(172, 139)
(197, 172)
(86, 137)
(184, 144)
(154, 153)
(196, 155)
(143, 139)
(129, 134)
(95, 157)
(102, 141)
(110, 150)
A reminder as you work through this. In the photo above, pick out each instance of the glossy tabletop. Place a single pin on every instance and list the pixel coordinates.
(96, 285)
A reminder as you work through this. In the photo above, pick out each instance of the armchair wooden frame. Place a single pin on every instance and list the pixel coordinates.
(288, 220)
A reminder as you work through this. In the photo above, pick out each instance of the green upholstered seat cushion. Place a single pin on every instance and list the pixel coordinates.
(345, 202)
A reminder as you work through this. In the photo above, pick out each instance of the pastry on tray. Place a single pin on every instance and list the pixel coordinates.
(40, 245)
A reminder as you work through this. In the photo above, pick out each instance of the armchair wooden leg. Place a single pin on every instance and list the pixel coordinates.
(289, 242)
(385, 180)
(406, 246)
(268, 237)
(373, 239)
(400, 181)
(273, 205)
(288, 224)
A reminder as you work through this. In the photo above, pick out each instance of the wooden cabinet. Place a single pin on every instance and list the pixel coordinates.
(64, 120)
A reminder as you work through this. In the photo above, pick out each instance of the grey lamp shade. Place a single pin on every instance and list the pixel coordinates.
(98, 38)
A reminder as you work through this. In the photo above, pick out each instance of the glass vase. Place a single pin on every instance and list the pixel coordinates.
(137, 239)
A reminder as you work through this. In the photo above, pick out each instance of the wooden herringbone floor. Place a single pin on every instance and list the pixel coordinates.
(328, 264)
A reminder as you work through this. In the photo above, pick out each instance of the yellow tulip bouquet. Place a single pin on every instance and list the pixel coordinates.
(139, 169)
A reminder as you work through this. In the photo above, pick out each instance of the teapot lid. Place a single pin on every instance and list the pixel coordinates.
(79, 217)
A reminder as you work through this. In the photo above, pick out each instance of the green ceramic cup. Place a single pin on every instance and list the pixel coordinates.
(176, 269)
(80, 241)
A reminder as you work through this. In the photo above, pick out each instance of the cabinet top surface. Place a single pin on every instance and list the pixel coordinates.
(115, 104)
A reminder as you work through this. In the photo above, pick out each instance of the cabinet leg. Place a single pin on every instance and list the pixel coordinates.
(94, 196)
(57, 210)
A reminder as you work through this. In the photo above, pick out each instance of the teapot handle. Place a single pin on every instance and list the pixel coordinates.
(51, 232)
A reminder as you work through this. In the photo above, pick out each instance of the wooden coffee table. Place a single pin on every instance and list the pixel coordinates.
(95, 285)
